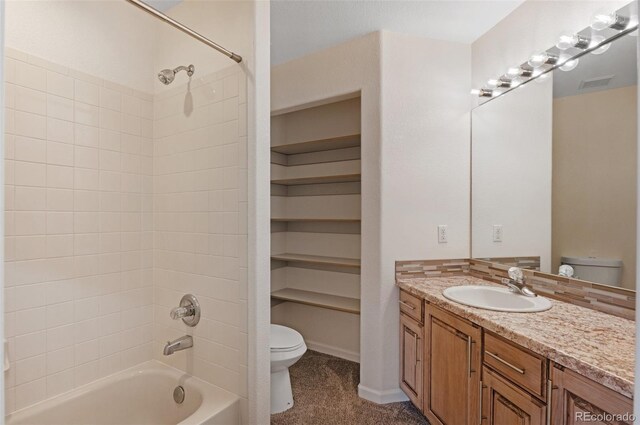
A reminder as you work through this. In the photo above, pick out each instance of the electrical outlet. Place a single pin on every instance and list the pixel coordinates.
(442, 233)
(497, 232)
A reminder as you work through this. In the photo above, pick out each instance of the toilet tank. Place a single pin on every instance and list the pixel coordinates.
(600, 270)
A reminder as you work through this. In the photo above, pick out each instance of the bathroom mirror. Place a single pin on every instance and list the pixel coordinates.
(554, 171)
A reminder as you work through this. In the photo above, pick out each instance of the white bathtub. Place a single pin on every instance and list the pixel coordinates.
(136, 396)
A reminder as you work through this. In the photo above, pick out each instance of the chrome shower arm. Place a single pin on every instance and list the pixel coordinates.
(190, 69)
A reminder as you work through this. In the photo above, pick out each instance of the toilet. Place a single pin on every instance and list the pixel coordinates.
(287, 346)
(600, 270)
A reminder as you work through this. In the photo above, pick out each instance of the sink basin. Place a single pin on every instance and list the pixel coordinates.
(495, 298)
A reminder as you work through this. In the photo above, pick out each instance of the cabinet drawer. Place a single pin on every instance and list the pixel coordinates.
(521, 366)
(411, 306)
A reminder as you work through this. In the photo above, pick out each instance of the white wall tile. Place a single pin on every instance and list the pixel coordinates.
(59, 107)
(59, 153)
(30, 393)
(90, 166)
(86, 92)
(28, 124)
(29, 100)
(30, 76)
(60, 85)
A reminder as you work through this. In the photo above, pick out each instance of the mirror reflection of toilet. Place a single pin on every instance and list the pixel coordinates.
(599, 270)
(287, 346)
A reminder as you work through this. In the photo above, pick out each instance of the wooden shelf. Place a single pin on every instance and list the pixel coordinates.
(333, 302)
(340, 178)
(317, 259)
(341, 142)
(315, 220)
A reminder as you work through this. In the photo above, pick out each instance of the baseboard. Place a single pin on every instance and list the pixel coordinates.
(333, 351)
(382, 397)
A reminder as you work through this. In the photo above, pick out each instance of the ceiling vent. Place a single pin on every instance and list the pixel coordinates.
(594, 83)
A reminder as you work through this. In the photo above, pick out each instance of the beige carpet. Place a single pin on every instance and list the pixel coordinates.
(325, 393)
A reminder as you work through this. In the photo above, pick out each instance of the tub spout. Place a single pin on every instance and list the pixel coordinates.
(179, 344)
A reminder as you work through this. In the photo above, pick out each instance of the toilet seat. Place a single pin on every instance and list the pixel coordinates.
(285, 339)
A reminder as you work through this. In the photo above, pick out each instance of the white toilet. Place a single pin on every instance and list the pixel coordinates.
(287, 346)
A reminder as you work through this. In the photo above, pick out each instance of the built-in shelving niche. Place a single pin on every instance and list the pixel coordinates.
(315, 224)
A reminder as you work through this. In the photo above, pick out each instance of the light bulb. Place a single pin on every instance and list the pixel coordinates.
(513, 71)
(500, 82)
(595, 41)
(537, 60)
(565, 41)
(600, 21)
(516, 72)
(542, 58)
(482, 92)
(568, 40)
(569, 65)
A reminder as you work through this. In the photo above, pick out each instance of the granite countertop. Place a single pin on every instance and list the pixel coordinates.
(594, 344)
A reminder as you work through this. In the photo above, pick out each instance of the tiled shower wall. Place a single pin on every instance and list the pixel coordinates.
(79, 156)
(200, 223)
(94, 200)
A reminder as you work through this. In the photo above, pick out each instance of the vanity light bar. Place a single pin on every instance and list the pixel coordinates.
(542, 63)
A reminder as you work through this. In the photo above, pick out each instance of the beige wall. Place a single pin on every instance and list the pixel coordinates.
(415, 166)
(594, 177)
(87, 36)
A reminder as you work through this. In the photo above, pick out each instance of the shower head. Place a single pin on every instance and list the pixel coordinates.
(166, 76)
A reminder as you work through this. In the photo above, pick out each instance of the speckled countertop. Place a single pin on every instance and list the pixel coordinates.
(594, 344)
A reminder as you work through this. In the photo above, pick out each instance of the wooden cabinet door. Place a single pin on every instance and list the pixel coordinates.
(411, 359)
(505, 404)
(578, 400)
(451, 369)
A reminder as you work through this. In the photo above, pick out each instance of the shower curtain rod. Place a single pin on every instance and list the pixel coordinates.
(150, 10)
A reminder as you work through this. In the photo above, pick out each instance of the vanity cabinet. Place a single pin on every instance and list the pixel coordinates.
(411, 371)
(458, 373)
(411, 347)
(504, 403)
(578, 400)
(452, 368)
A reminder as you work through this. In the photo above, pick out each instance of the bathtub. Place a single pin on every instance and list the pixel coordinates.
(136, 396)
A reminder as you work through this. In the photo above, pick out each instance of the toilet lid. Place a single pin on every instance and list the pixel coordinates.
(284, 339)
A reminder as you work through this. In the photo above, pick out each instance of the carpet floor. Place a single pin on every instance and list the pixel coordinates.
(325, 392)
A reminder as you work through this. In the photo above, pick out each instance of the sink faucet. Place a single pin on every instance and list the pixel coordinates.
(516, 283)
(179, 344)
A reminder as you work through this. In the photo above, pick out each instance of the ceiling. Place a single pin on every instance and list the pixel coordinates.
(299, 27)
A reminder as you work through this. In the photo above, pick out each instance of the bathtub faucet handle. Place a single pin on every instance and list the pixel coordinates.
(180, 312)
(188, 311)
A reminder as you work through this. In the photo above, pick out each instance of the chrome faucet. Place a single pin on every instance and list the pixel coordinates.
(516, 283)
(179, 344)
